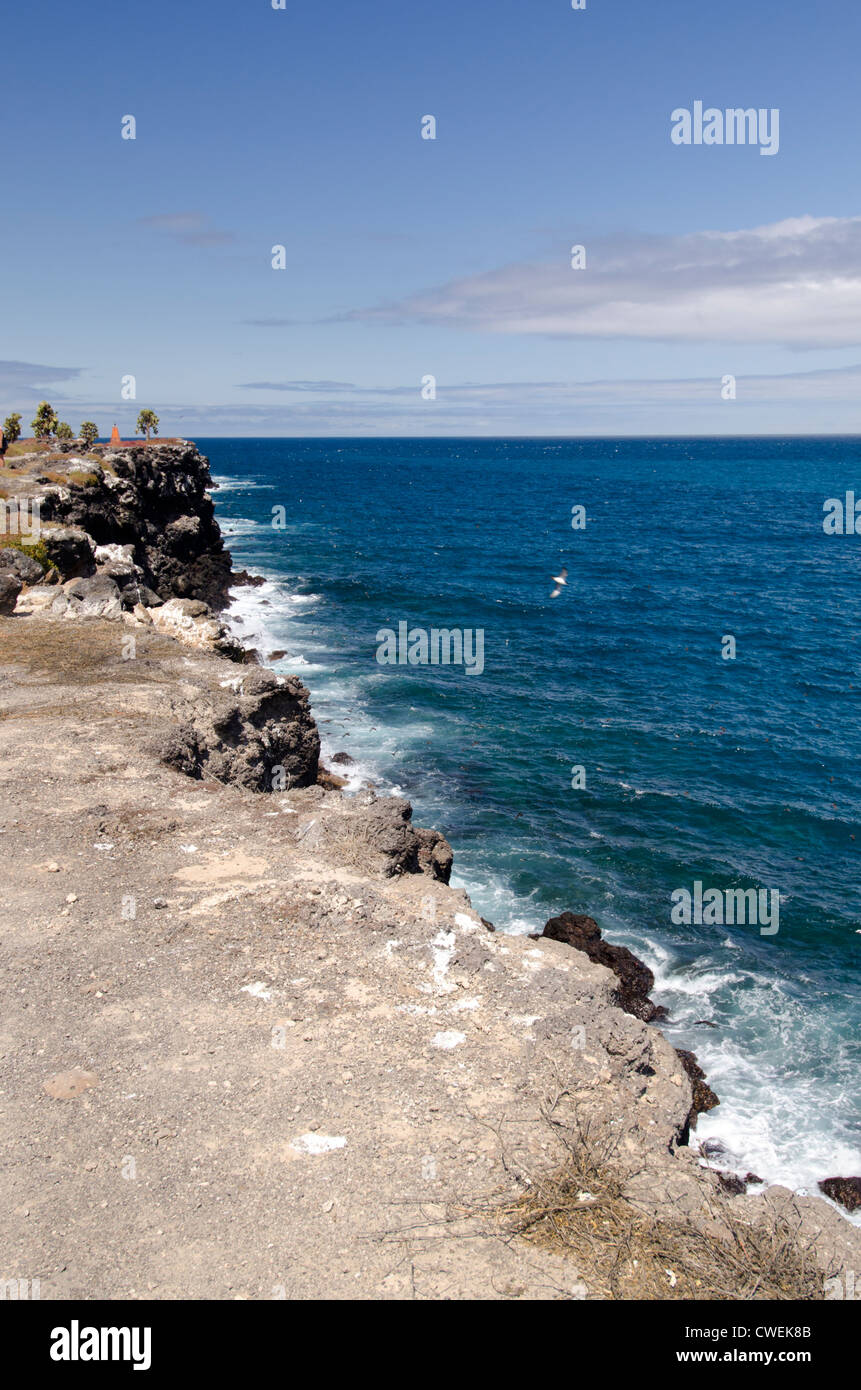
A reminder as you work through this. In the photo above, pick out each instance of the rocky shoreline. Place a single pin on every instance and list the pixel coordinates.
(130, 552)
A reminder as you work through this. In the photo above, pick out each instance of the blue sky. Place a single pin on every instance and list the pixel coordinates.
(409, 257)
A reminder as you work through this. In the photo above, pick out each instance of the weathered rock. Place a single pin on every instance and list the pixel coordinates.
(702, 1096)
(23, 565)
(636, 980)
(732, 1184)
(118, 562)
(382, 834)
(10, 588)
(330, 780)
(191, 621)
(114, 554)
(71, 551)
(134, 594)
(248, 737)
(845, 1191)
(97, 597)
(153, 500)
(40, 598)
(341, 757)
(435, 854)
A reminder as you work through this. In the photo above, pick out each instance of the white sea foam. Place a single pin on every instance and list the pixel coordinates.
(230, 484)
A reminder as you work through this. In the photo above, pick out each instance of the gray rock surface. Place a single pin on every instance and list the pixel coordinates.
(10, 588)
(23, 565)
(262, 733)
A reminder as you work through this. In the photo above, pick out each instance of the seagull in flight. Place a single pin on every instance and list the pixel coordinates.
(560, 580)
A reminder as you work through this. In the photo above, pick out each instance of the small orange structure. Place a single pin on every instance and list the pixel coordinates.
(115, 436)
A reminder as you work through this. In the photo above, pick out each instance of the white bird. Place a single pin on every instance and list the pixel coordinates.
(560, 580)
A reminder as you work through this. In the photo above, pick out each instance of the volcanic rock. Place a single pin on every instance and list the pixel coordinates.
(23, 565)
(10, 588)
(245, 738)
(636, 980)
(845, 1191)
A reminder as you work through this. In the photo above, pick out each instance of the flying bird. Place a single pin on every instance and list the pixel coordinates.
(560, 580)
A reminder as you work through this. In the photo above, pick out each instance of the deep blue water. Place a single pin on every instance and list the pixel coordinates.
(738, 773)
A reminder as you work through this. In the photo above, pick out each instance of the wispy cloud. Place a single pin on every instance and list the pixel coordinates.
(190, 228)
(304, 387)
(33, 376)
(795, 283)
(825, 401)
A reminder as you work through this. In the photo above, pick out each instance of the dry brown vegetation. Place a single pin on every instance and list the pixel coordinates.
(580, 1210)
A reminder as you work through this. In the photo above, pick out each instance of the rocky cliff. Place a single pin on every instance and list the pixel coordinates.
(155, 499)
(275, 1001)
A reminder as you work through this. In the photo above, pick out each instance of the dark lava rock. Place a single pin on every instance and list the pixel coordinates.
(735, 1185)
(244, 738)
(703, 1097)
(157, 501)
(636, 980)
(135, 593)
(846, 1191)
(276, 656)
(98, 586)
(732, 1184)
(713, 1148)
(23, 565)
(70, 550)
(342, 758)
(243, 577)
(10, 588)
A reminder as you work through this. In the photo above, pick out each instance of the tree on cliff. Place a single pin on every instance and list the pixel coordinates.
(64, 431)
(148, 420)
(88, 433)
(46, 421)
(12, 428)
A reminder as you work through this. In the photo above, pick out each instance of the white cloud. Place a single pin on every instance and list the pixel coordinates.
(795, 283)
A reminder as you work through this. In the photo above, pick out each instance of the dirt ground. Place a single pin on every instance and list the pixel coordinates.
(219, 1079)
(240, 1063)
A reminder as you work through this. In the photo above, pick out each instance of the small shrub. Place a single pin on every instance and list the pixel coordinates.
(35, 549)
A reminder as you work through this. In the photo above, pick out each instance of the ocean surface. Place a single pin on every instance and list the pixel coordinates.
(737, 773)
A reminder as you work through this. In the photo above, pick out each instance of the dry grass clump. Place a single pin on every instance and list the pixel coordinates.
(580, 1211)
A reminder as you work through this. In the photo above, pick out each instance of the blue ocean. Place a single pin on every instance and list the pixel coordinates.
(733, 764)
